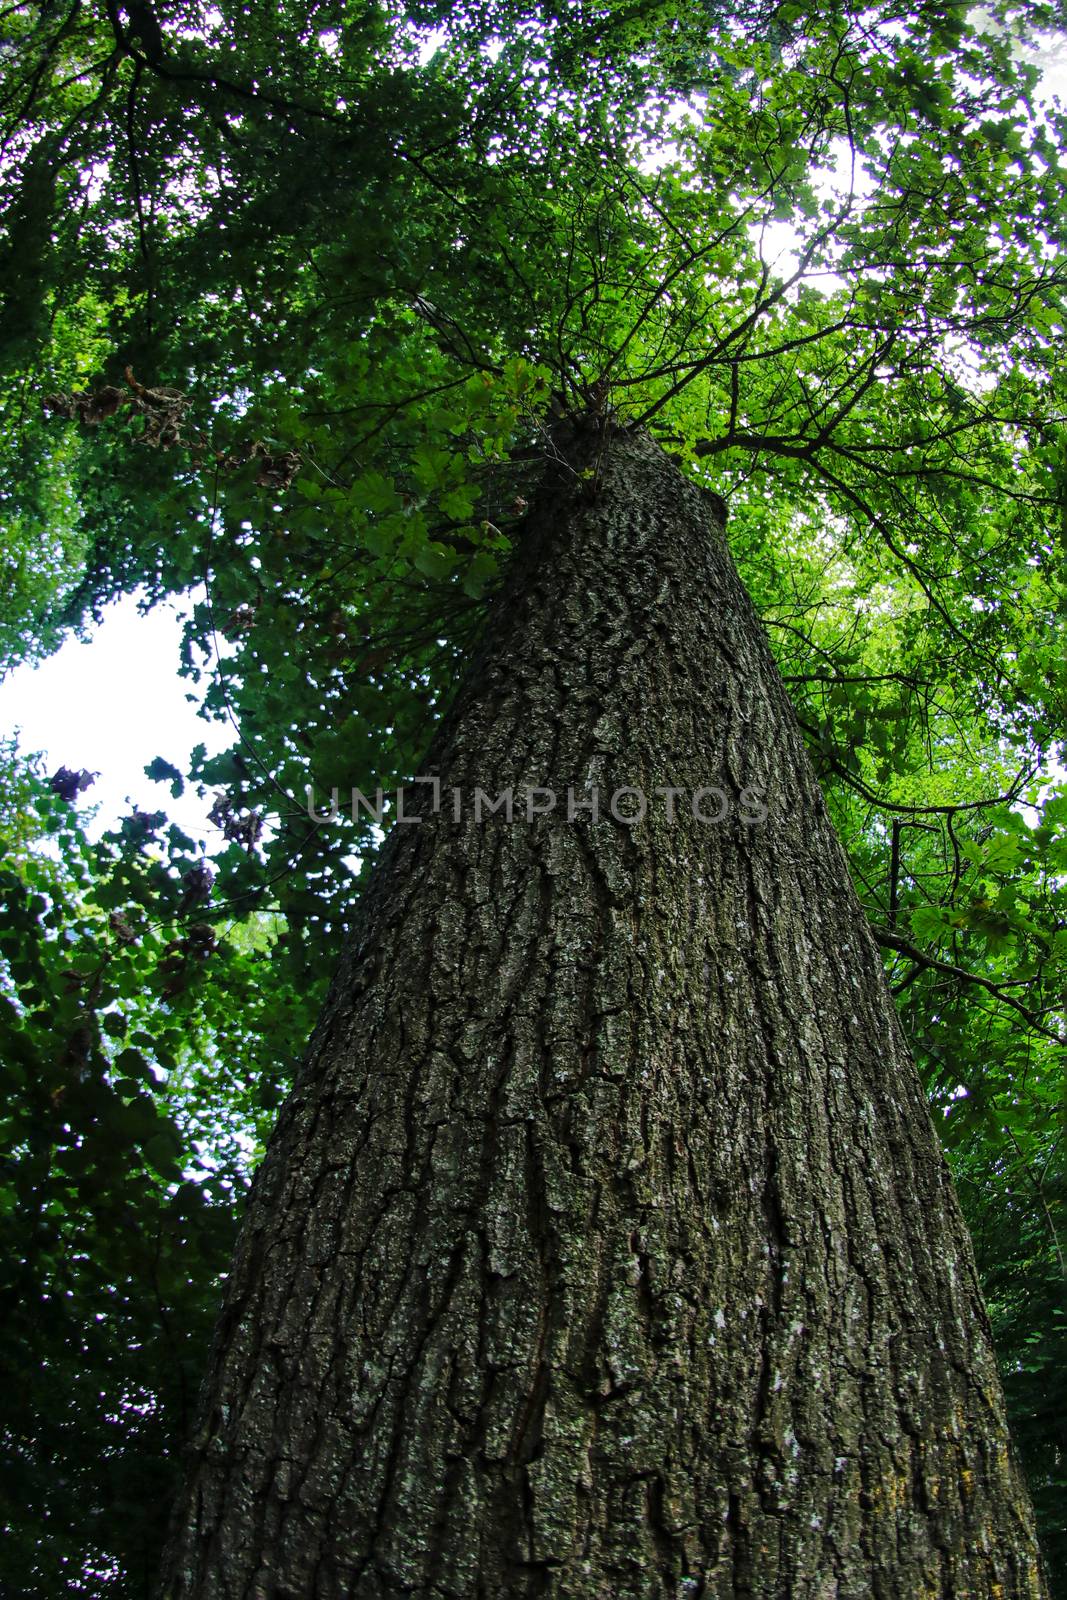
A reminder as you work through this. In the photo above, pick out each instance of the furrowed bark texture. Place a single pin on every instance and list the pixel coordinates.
(604, 1248)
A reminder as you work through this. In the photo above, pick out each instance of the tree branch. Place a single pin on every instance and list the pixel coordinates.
(894, 941)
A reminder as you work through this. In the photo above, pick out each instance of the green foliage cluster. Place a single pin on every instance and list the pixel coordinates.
(137, 1093)
(303, 288)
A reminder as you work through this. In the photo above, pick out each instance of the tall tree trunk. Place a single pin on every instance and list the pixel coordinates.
(604, 1247)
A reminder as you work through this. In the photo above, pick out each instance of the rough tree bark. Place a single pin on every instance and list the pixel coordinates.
(604, 1247)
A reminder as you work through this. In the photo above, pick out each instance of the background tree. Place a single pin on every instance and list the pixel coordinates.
(880, 407)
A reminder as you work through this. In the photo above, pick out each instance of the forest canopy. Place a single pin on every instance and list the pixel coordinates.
(290, 298)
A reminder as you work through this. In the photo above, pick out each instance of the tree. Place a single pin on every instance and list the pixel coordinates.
(904, 416)
(604, 1245)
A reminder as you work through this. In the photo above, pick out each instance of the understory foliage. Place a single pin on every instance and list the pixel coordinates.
(288, 299)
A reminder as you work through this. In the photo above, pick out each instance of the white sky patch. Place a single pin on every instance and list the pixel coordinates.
(429, 45)
(110, 705)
